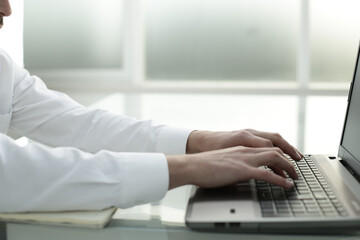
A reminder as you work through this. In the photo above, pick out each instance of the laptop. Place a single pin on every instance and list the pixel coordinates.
(325, 198)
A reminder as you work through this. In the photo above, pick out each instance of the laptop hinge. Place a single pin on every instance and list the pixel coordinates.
(351, 170)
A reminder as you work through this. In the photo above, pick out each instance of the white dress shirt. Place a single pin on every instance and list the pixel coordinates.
(98, 159)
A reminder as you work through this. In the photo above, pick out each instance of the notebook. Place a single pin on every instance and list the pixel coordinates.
(325, 198)
(87, 219)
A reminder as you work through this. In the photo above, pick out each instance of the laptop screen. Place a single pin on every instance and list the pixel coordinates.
(351, 139)
(351, 135)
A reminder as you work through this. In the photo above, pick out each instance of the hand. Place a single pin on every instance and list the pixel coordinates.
(201, 141)
(231, 165)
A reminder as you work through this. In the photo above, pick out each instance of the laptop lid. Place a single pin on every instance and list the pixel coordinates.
(349, 149)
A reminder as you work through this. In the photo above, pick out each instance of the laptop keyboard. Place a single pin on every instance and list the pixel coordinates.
(311, 196)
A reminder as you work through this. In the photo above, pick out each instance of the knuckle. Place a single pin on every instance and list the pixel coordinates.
(242, 136)
(244, 132)
(267, 143)
(278, 136)
(247, 150)
(240, 149)
(278, 150)
(249, 130)
(275, 154)
(267, 174)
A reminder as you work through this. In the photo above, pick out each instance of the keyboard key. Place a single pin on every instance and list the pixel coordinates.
(299, 211)
(278, 194)
(268, 211)
(327, 207)
(313, 210)
(320, 195)
(284, 211)
(343, 213)
(330, 214)
(265, 196)
(332, 196)
(296, 204)
(266, 204)
(310, 202)
(301, 197)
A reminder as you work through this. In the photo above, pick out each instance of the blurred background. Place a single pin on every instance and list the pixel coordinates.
(274, 65)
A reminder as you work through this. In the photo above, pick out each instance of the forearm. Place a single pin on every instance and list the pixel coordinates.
(35, 178)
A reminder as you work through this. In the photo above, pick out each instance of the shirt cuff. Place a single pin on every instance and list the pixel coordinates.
(172, 140)
(146, 179)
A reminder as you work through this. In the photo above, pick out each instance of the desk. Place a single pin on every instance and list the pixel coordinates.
(158, 221)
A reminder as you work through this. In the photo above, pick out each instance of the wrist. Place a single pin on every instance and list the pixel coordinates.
(197, 142)
(179, 170)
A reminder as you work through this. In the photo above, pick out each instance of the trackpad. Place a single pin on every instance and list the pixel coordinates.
(228, 203)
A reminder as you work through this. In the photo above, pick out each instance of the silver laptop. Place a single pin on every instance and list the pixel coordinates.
(325, 199)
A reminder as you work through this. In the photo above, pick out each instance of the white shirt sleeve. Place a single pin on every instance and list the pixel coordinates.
(36, 178)
(54, 119)
(99, 159)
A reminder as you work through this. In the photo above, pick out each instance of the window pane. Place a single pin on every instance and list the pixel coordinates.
(227, 40)
(324, 123)
(73, 34)
(224, 112)
(335, 39)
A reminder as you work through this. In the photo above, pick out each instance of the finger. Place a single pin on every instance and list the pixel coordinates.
(299, 153)
(274, 157)
(265, 175)
(278, 171)
(280, 142)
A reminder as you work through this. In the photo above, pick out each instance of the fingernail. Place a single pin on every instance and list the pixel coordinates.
(298, 154)
(289, 183)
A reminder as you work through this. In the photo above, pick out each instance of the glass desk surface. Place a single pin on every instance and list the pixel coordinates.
(161, 221)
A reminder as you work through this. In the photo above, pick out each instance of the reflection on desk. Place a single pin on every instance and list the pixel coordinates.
(158, 221)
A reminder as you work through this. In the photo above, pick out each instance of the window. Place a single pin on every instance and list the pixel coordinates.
(324, 123)
(221, 40)
(335, 37)
(300, 52)
(73, 34)
(224, 111)
(298, 41)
